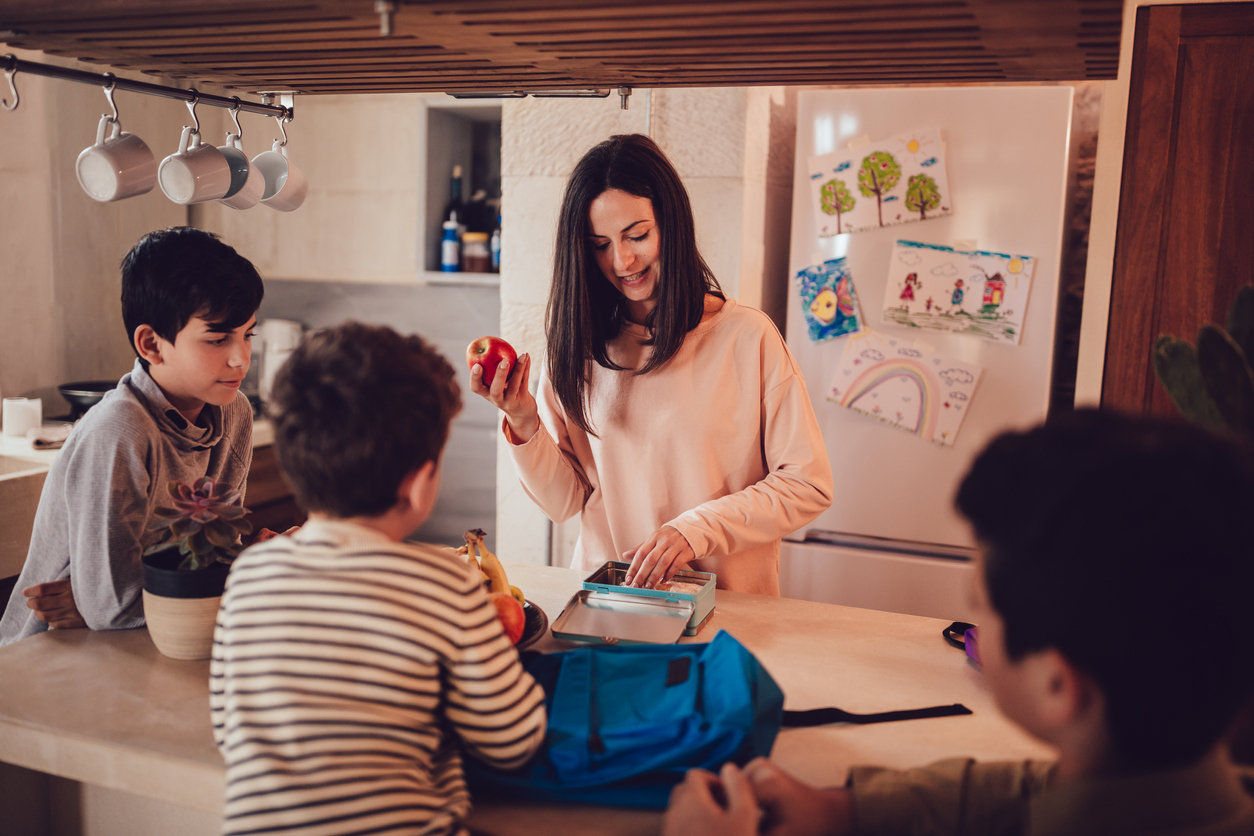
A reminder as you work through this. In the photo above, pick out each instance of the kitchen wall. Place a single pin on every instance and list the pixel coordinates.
(353, 249)
(60, 318)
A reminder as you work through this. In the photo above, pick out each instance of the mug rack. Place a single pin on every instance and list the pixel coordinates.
(14, 65)
(121, 165)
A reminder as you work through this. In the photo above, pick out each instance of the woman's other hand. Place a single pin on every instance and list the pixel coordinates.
(512, 396)
(658, 558)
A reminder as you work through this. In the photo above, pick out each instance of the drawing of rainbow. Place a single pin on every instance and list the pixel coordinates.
(900, 367)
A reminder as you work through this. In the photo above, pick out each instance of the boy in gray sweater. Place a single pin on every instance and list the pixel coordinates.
(189, 304)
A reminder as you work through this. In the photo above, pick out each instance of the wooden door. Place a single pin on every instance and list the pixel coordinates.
(1185, 239)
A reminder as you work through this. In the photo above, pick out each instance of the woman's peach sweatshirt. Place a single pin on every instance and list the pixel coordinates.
(721, 443)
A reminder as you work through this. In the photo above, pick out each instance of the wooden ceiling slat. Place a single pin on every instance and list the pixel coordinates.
(335, 46)
(771, 22)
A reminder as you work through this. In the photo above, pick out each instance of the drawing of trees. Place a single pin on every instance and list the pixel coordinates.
(922, 194)
(880, 171)
(835, 199)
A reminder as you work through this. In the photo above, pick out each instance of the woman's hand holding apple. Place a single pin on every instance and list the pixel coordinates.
(508, 391)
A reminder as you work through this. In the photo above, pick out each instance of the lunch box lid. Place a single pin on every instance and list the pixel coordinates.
(615, 618)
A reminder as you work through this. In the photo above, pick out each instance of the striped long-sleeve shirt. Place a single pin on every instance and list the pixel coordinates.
(347, 668)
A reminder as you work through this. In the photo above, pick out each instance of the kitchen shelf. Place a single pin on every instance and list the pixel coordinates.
(460, 278)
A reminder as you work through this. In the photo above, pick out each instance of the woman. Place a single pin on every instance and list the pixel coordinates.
(671, 419)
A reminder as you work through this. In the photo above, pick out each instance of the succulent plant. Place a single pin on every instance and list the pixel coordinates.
(1212, 383)
(205, 521)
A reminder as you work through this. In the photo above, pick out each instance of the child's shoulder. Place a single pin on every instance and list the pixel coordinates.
(120, 416)
(440, 559)
(327, 543)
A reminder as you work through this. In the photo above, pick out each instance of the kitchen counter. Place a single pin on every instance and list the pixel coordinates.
(105, 709)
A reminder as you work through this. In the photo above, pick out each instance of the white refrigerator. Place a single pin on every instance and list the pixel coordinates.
(891, 539)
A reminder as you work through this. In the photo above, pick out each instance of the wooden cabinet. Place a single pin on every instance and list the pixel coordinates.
(1183, 246)
(268, 497)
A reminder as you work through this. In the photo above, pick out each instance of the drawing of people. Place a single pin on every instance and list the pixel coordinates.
(907, 292)
(928, 304)
(956, 299)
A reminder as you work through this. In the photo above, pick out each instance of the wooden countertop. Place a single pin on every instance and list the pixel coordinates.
(105, 708)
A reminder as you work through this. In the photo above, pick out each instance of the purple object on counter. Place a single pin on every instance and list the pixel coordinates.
(971, 642)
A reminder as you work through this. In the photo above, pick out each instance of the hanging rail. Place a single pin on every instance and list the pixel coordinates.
(13, 65)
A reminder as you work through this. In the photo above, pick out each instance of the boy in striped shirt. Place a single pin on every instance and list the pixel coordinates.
(349, 668)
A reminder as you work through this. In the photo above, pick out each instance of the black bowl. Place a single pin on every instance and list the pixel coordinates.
(85, 394)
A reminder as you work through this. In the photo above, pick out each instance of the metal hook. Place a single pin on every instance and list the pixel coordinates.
(281, 119)
(191, 105)
(239, 132)
(10, 72)
(108, 88)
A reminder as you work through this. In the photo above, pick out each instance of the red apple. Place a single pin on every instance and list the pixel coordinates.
(513, 619)
(489, 352)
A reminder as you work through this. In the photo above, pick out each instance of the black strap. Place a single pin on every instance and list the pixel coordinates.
(956, 634)
(822, 716)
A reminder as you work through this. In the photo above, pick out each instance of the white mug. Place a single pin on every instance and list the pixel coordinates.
(245, 192)
(20, 415)
(197, 172)
(286, 186)
(119, 165)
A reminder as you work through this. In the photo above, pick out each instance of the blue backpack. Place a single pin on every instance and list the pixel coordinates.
(626, 722)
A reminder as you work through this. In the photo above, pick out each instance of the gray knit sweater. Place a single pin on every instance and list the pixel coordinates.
(97, 502)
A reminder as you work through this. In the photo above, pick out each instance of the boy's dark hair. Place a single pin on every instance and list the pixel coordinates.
(173, 274)
(356, 409)
(1123, 542)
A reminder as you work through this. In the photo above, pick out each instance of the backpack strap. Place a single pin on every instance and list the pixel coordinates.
(822, 716)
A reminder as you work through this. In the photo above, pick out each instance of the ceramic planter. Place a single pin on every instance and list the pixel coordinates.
(181, 607)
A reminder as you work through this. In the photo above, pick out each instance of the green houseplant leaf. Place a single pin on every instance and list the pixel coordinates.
(1241, 320)
(1176, 365)
(1228, 377)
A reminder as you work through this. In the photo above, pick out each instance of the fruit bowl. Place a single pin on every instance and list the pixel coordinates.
(535, 626)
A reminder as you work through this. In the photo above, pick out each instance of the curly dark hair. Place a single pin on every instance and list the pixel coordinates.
(1123, 542)
(357, 408)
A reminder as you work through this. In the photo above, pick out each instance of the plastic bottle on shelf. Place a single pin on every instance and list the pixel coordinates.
(450, 247)
(494, 246)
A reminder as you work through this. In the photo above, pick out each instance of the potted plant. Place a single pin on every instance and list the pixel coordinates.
(185, 573)
(1212, 382)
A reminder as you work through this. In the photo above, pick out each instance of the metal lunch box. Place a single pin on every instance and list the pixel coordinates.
(605, 611)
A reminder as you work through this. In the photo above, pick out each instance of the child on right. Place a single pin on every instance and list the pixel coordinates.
(1113, 602)
(350, 668)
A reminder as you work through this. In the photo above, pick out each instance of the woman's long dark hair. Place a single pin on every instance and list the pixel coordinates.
(585, 311)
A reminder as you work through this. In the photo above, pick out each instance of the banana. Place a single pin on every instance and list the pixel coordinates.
(468, 551)
(498, 581)
(518, 595)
